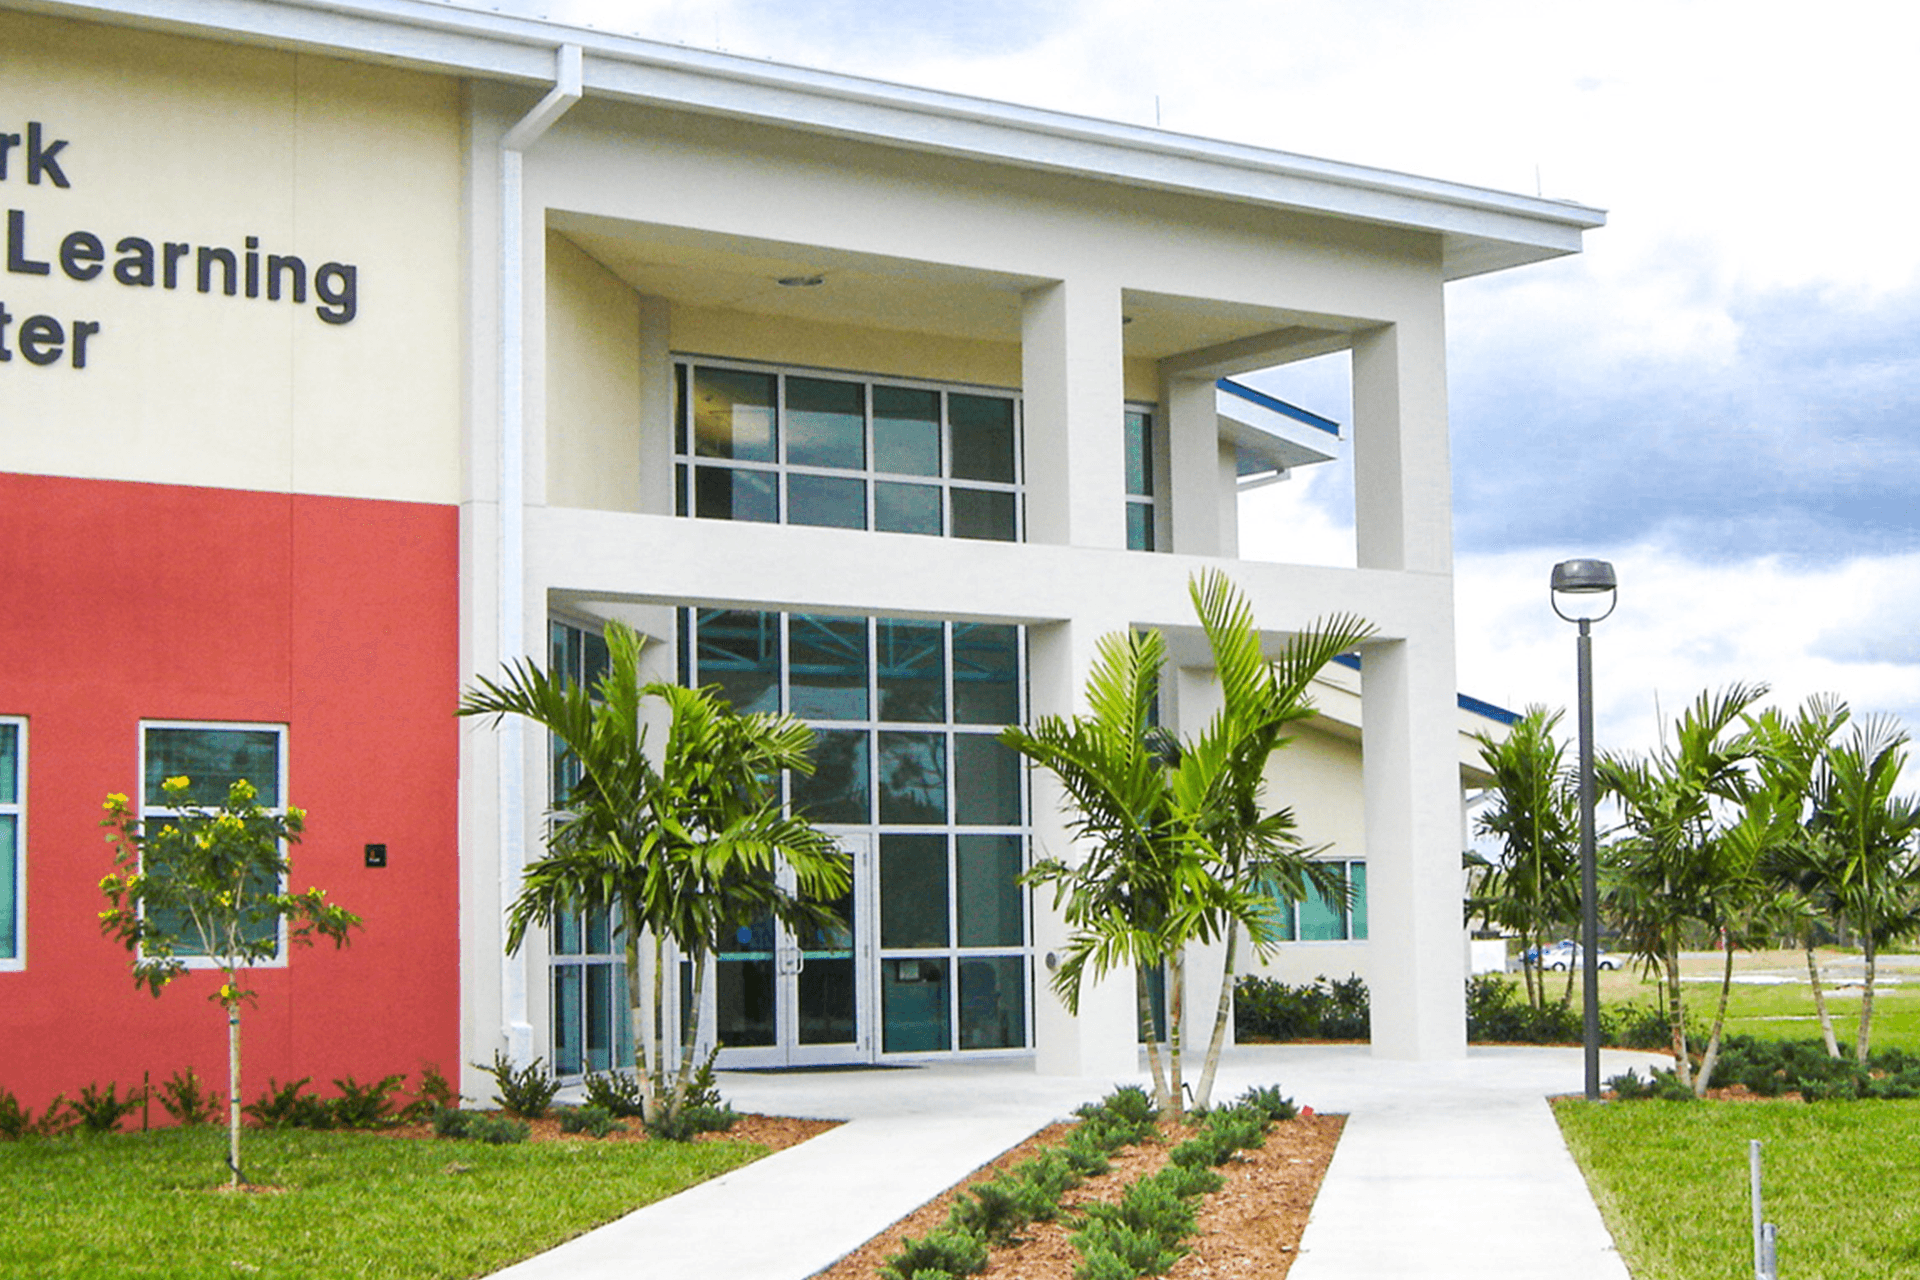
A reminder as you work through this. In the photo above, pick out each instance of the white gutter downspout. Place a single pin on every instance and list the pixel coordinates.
(567, 88)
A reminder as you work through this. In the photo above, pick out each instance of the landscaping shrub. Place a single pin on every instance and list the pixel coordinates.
(101, 1111)
(435, 1094)
(615, 1092)
(945, 1252)
(992, 1211)
(1633, 1025)
(17, 1122)
(1663, 1085)
(498, 1131)
(682, 1125)
(451, 1122)
(286, 1107)
(1269, 1102)
(1326, 1009)
(187, 1101)
(1498, 1013)
(594, 1121)
(364, 1106)
(525, 1091)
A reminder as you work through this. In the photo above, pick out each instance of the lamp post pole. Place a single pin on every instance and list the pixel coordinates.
(1583, 583)
(1589, 872)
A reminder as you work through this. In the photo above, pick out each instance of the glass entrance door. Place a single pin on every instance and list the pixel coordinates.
(785, 999)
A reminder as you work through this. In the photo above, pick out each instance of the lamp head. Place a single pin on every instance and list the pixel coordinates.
(1584, 590)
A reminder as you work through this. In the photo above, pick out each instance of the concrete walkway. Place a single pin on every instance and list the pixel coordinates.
(1448, 1169)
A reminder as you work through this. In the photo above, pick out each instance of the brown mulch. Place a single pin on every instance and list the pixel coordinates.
(776, 1133)
(1250, 1227)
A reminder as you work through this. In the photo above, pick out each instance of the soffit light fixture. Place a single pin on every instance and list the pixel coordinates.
(800, 282)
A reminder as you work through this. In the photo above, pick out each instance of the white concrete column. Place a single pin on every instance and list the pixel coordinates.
(1073, 406)
(1410, 752)
(656, 408)
(1104, 1039)
(1402, 477)
(1193, 455)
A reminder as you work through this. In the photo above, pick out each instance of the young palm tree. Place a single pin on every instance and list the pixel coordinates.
(683, 850)
(1180, 848)
(1219, 782)
(1875, 874)
(1692, 835)
(1534, 888)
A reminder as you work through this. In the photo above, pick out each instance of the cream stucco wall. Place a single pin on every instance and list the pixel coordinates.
(180, 140)
(594, 456)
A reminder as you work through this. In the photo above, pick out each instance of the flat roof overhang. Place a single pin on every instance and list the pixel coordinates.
(1480, 230)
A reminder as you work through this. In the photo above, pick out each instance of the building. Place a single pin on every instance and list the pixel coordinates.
(350, 348)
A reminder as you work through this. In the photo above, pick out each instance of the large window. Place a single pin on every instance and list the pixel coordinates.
(591, 1030)
(906, 715)
(1319, 920)
(13, 841)
(212, 757)
(789, 448)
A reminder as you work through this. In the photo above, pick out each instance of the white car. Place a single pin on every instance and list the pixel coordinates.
(1565, 954)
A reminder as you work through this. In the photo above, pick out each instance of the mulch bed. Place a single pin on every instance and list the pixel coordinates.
(1249, 1228)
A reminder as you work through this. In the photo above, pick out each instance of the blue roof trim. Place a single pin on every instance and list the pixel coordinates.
(1478, 706)
(1281, 407)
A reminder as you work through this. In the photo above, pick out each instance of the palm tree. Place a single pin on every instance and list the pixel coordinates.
(683, 851)
(1875, 877)
(1694, 823)
(1219, 782)
(1534, 888)
(1179, 848)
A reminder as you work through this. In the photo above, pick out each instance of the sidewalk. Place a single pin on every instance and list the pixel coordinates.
(1445, 1169)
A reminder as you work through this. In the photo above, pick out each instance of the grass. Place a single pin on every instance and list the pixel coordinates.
(143, 1204)
(1779, 1010)
(1842, 1183)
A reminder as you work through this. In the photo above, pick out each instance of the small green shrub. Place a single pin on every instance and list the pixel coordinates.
(1498, 1013)
(435, 1094)
(1269, 1102)
(1111, 1249)
(287, 1107)
(17, 1122)
(1634, 1025)
(1189, 1182)
(994, 1211)
(498, 1131)
(1131, 1103)
(451, 1122)
(615, 1092)
(1085, 1159)
(703, 1090)
(1100, 1263)
(101, 1111)
(1046, 1175)
(682, 1125)
(364, 1106)
(946, 1251)
(524, 1091)
(187, 1100)
(591, 1120)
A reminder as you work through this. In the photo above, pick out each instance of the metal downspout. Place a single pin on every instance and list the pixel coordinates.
(569, 62)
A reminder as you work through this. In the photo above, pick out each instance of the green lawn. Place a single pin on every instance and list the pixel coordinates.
(1842, 1185)
(142, 1205)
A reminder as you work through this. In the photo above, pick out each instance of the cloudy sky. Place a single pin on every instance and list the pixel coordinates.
(1719, 395)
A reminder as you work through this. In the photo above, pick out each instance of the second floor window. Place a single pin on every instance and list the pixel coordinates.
(782, 447)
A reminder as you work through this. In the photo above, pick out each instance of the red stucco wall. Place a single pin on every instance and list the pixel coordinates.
(336, 617)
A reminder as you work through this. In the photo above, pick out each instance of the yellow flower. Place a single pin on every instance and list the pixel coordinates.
(116, 803)
(174, 785)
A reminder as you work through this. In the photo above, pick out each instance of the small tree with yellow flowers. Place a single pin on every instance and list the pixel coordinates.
(207, 882)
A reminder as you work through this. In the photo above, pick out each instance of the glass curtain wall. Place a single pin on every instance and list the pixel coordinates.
(789, 448)
(906, 715)
(591, 1029)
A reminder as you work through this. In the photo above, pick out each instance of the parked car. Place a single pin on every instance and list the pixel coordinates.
(1564, 955)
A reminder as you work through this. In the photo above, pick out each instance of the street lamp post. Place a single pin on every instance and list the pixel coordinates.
(1584, 592)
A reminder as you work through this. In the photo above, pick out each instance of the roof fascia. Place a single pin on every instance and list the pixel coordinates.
(1482, 230)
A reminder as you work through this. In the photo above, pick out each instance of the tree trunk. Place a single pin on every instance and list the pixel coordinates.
(1222, 1017)
(1863, 1044)
(1677, 1013)
(637, 1019)
(233, 1088)
(1144, 996)
(1176, 1017)
(1820, 1001)
(1705, 1077)
(1573, 967)
(684, 1076)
